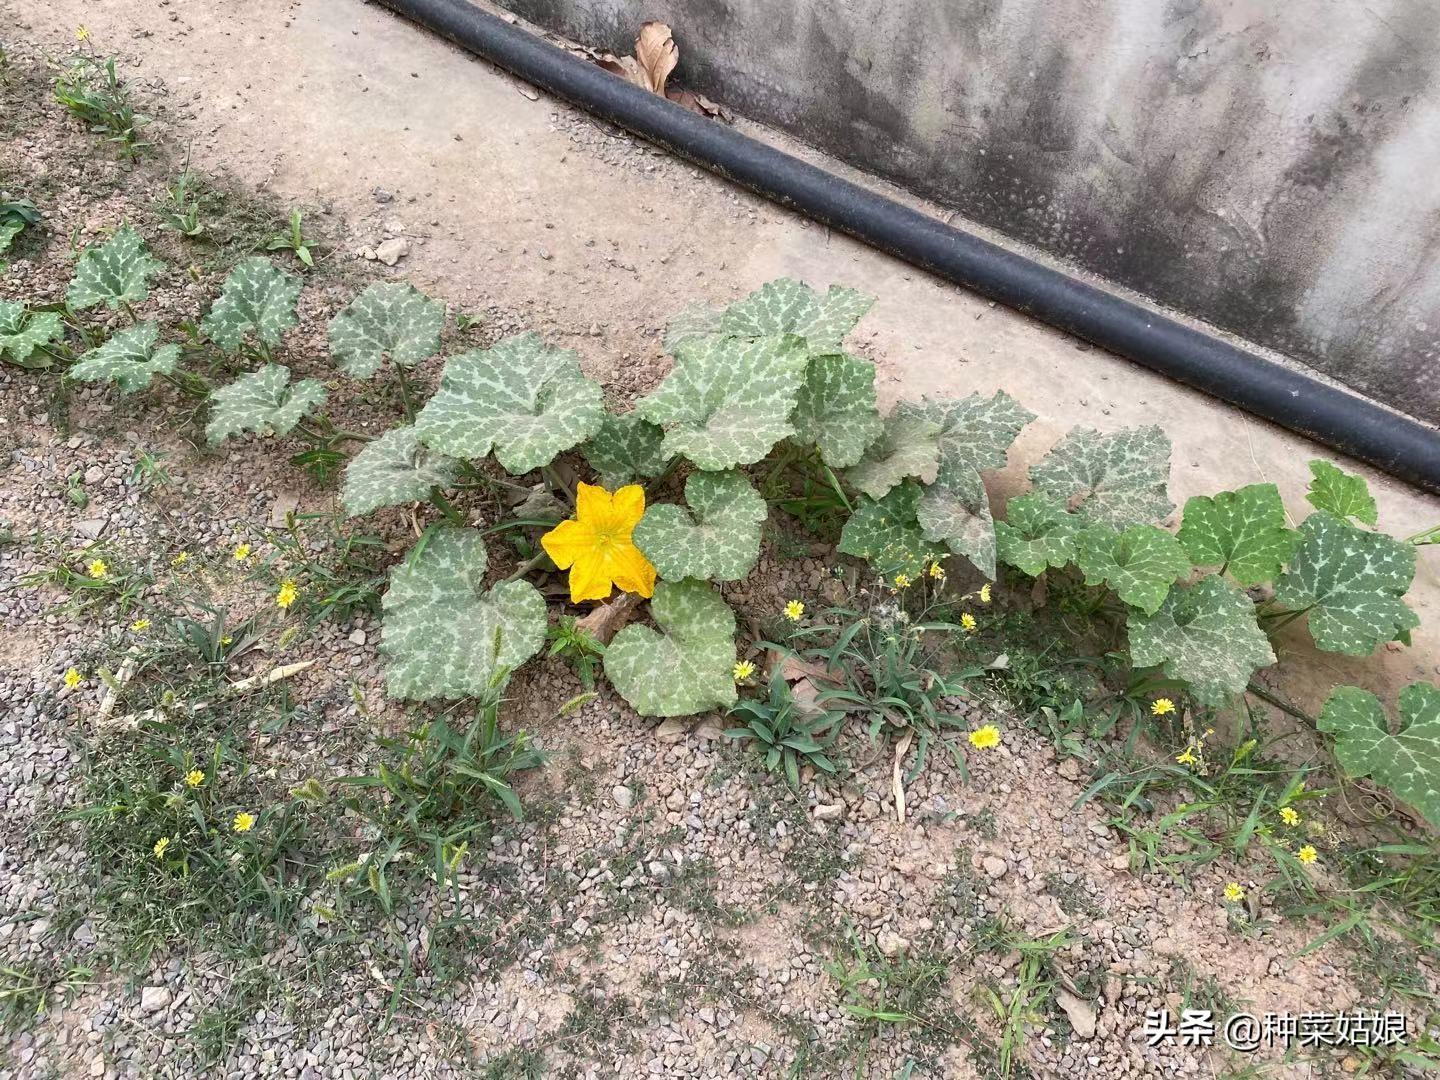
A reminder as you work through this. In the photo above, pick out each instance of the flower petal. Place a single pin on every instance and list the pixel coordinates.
(629, 504)
(593, 504)
(589, 578)
(568, 541)
(632, 571)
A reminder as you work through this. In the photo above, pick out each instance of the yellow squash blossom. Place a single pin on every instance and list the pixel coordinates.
(596, 546)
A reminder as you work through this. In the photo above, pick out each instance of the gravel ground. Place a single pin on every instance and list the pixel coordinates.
(665, 910)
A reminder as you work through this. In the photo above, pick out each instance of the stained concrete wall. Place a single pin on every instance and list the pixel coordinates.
(1271, 166)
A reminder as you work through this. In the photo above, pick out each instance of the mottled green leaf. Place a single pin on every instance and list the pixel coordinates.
(113, 273)
(955, 511)
(835, 409)
(392, 470)
(782, 306)
(1205, 634)
(908, 446)
(717, 539)
(975, 432)
(625, 449)
(1037, 533)
(1243, 531)
(257, 298)
(1116, 479)
(8, 231)
(390, 318)
(522, 398)
(1139, 564)
(1340, 493)
(728, 400)
(22, 333)
(887, 534)
(444, 636)
(129, 359)
(1407, 762)
(262, 401)
(1351, 582)
(685, 669)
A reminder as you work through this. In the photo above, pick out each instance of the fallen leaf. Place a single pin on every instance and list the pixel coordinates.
(897, 778)
(794, 668)
(1079, 1011)
(698, 103)
(657, 54)
(604, 622)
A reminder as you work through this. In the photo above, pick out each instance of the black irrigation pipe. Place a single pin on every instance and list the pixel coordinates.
(1343, 421)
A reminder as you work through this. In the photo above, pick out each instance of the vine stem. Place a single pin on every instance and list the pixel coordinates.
(1279, 703)
(554, 480)
(405, 400)
(528, 565)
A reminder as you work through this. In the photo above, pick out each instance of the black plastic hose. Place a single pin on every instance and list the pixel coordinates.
(1350, 424)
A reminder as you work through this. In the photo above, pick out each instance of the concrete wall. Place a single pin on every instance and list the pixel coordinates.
(1271, 166)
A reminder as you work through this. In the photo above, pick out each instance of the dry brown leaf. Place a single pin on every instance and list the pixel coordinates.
(698, 103)
(604, 622)
(793, 667)
(657, 53)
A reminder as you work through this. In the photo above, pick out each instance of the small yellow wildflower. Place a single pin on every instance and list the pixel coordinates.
(194, 778)
(742, 670)
(241, 553)
(902, 581)
(1307, 854)
(140, 625)
(180, 559)
(985, 593)
(82, 33)
(1289, 816)
(983, 738)
(1162, 706)
(795, 610)
(96, 568)
(967, 622)
(244, 821)
(1234, 893)
(72, 679)
(287, 594)
(227, 640)
(1188, 757)
(160, 846)
(936, 570)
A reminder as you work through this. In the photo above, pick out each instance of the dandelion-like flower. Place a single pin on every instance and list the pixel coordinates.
(180, 559)
(97, 569)
(902, 581)
(244, 821)
(1307, 854)
(1234, 893)
(984, 738)
(596, 546)
(1289, 815)
(139, 626)
(968, 623)
(194, 778)
(936, 570)
(241, 553)
(287, 595)
(985, 593)
(160, 846)
(72, 679)
(795, 610)
(1188, 757)
(82, 33)
(742, 670)
(1162, 706)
